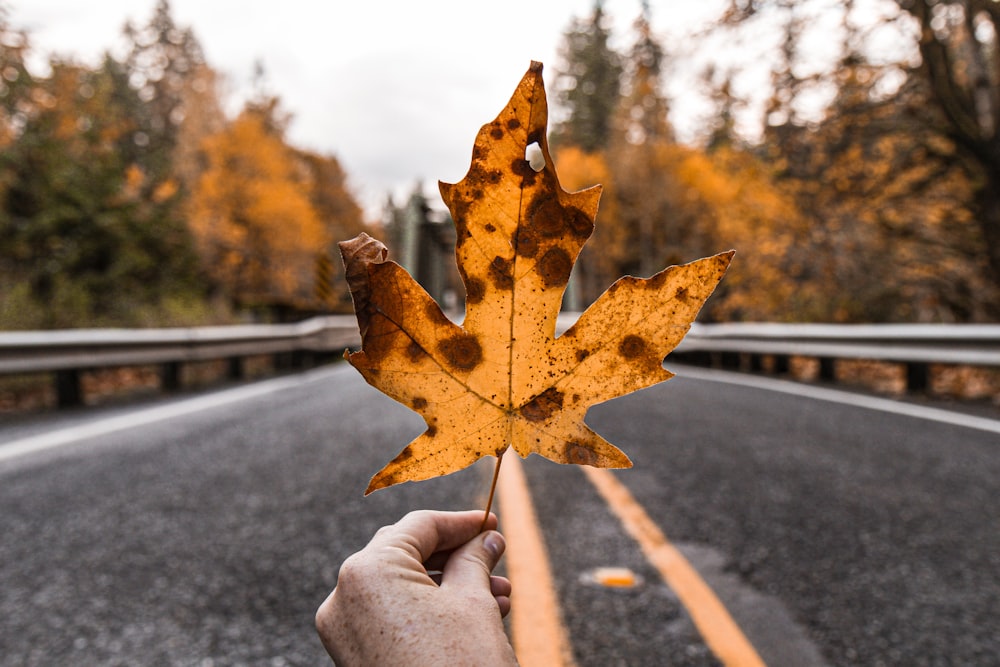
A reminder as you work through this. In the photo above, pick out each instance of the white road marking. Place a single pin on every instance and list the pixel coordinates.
(67, 436)
(842, 397)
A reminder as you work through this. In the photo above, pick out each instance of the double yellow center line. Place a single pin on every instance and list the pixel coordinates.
(537, 631)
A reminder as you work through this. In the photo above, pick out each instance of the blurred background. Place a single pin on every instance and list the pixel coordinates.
(167, 164)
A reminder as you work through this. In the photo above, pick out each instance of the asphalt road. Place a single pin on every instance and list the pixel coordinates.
(845, 534)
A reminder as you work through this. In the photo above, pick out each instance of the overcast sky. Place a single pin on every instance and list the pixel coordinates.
(396, 89)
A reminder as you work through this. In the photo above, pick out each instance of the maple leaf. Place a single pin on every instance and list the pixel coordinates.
(503, 379)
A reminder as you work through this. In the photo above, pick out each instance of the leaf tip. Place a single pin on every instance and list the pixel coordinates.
(358, 254)
(378, 481)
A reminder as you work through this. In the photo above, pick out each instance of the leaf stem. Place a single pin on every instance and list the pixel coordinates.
(493, 488)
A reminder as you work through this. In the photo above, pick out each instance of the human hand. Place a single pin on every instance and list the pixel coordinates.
(388, 610)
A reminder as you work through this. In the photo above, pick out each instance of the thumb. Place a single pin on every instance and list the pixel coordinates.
(471, 564)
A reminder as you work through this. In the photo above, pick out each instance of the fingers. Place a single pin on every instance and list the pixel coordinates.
(427, 532)
(471, 564)
(500, 588)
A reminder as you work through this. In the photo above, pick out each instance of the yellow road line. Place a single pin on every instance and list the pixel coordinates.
(537, 631)
(716, 626)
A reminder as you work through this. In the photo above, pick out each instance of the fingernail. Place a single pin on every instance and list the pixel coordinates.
(494, 543)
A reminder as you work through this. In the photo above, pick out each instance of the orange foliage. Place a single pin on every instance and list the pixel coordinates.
(600, 259)
(665, 203)
(251, 215)
(748, 211)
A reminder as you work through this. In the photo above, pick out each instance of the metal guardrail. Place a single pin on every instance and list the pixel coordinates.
(916, 346)
(68, 353)
(967, 344)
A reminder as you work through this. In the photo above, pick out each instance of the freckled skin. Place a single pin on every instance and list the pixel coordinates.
(386, 610)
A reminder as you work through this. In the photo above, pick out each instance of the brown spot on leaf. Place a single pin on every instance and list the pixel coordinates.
(535, 136)
(513, 124)
(525, 242)
(479, 175)
(579, 454)
(434, 313)
(582, 354)
(475, 290)
(414, 351)
(489, 227)
(522, 168)
(459, 209)
(502, 273)
(581, 225)
(632, 346)
(496, 132)
(418, 402)
(461, 351)
(545, 215)
(431, 430)
(554, 267)
(542, 406)
(681, 294)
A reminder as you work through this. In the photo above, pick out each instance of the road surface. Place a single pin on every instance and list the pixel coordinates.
(205, 530)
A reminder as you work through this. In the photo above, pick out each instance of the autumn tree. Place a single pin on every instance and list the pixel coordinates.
(664, 203)
(891, 226)
(180, 107)
(649, 206)
(262, 211)
(77, 231)
(108, 174)
(330, 194)
(15, 80)
(588, 82)
(894, 196)
(958, 64)
(165, 65)
(602, 257)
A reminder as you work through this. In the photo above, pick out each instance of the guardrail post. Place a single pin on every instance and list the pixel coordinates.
(781, 365)
(827, 369)
(69, 392)
(730, 360)
(235, 371)
(918, 377)
(170, 376)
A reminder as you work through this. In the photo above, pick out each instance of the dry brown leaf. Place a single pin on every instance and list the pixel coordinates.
(503, 378)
